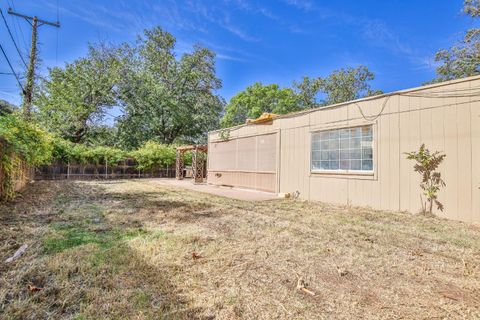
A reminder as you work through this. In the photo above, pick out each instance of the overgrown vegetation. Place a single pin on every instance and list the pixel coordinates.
(68, 152)
(25, 139)
(149, 156)
(152, 155)
(22, 144)
(426, 165)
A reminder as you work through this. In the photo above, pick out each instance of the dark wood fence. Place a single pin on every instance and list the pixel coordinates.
(62, 171)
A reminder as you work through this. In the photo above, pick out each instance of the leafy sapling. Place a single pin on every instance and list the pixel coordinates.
(426, 164)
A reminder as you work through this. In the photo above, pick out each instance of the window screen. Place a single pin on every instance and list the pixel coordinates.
(349, 149)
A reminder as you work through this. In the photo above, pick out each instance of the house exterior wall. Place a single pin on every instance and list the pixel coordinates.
(446, 117)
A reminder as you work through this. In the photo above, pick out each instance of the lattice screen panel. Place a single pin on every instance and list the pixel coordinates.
(266, 153)
(252, 154)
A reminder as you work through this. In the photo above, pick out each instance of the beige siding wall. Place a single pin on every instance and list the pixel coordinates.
(432, 115)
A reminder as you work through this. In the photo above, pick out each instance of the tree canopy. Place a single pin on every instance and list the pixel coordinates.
(74, 99)
(307, 91)
(340, 86)
(257, 99)
(166, 99)
(463, 58)
(348, 84)
(471, 7)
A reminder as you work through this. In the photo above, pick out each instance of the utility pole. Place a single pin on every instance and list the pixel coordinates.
(35, 23)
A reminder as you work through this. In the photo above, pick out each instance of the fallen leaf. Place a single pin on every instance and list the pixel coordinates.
(342, 272)
(195, 256)
(33, 288)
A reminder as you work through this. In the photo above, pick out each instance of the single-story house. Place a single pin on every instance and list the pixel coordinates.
(353, 153)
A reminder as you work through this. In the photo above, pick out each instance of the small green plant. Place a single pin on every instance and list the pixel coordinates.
(426, 164)
(224, 134)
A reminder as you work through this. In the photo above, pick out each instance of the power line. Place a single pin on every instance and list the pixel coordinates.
(11, 68)
(35, 23)
(13, 40)
(25, 45)
(15, 28)
(14, 23)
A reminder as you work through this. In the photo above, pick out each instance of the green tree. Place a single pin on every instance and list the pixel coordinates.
(102, 135)
(463, 58)
(74, 99)
(307, 91)
(166, 99)
(257, 99)
(348, 84)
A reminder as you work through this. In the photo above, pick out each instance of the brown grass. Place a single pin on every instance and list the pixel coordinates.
(135, 249)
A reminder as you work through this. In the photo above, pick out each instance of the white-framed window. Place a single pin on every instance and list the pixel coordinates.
(343, 150)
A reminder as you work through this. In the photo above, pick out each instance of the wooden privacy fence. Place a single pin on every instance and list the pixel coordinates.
(127, 170)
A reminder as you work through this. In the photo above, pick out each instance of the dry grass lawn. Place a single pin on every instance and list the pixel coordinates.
(135, 249)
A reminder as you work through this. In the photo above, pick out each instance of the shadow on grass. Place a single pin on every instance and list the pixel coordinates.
(151, 203)
(84, 266)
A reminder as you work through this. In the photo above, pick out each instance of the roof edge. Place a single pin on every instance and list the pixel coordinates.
(384, 95)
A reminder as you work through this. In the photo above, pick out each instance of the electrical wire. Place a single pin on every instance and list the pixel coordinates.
(13, 23)
(17, 21)
(373, 118)
(450, 90)
(444, 94)
(13, 39)
(452, 95)
(8, 74)
(11, 68)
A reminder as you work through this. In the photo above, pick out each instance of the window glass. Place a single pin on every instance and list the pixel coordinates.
(343, 149)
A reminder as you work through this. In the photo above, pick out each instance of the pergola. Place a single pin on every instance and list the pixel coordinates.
(198, 162)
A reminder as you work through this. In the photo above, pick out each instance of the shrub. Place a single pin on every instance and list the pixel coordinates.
(153, 154)
(432, 181)
(23, 144)
(68, 152)
(149, 156)
(25, 139)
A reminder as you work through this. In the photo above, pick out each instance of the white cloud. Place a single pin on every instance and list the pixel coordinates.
(377, 33)
(305, 5)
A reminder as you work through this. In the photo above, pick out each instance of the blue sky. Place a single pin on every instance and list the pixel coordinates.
(267, 41)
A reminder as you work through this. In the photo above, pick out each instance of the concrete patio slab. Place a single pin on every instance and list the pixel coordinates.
(229, 192)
